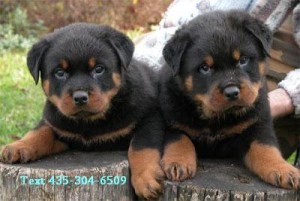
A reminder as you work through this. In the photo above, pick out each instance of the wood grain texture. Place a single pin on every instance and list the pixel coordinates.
(215, 180)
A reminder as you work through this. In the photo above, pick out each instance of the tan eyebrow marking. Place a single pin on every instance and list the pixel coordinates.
(92, 62)
(236, 54)
(209, 60)
(64, 64)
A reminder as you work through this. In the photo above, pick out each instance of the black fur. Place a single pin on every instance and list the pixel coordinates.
(136, 100)
(98, 98)
(217, 34)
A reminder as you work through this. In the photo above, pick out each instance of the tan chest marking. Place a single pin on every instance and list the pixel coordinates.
(110, 136)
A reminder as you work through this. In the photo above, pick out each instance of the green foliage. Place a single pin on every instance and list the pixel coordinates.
(16, 31)
(21, 101)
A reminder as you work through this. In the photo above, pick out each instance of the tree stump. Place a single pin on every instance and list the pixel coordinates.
(93, 171)
(225, 180)
(79, 167)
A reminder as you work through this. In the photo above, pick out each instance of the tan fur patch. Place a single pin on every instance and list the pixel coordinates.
(262, 68)
(140, 159)
(64, 64)
(99, 102)
(209, 60)
(111, 136)
(214, 102)
(237, 129)
(34, 145)
(92, 62)
(46, 87)
(179, 160)
(249, 91)
(236, 54)
(266, 161)
(219, 135)
(205, 105)
(146, 172)
(189, 83)
(116, 79)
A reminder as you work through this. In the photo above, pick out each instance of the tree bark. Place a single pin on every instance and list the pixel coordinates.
(215, 180)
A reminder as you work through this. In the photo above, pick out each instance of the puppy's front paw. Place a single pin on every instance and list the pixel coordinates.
(17, 152)
(147, 183)
(179, 168)
(179, 160)
(267, 162)
(283, 175)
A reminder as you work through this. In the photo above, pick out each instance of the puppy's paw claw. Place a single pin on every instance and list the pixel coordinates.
(17, 152)
(286, 176)
(147, 184)
(179, 169)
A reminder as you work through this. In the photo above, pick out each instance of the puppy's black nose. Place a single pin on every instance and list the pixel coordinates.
(80, 98)
(232, 92)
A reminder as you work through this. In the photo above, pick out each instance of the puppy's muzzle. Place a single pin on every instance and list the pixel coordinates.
(80, 98)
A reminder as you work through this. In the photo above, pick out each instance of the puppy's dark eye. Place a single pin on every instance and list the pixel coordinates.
(204, 69)
(244, 61)
(60, 74)
(98, 70)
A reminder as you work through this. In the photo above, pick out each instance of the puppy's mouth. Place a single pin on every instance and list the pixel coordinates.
(235, 108)
(84, 114)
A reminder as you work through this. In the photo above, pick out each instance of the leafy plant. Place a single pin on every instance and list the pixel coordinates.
(16, 31)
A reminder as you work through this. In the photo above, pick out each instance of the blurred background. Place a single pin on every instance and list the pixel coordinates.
(23, 22)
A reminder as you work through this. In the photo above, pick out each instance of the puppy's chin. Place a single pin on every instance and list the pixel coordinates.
(85, 115)
(237, 110)
(211, 111)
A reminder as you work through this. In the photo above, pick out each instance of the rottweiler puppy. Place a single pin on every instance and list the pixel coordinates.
(98, 98)
(214, 98)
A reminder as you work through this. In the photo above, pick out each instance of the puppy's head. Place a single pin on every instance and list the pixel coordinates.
(80, 66)
(218, 60)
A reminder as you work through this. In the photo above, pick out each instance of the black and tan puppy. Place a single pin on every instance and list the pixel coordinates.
(97, 98)
(214, 98)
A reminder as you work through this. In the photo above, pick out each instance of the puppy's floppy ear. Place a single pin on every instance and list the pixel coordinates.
(124, 48)
(35, 57)
(255, 27)
(121, 44)
(261, 33)
(175, 48)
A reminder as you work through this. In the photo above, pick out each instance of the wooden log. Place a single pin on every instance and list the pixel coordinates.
(78, 168)
(225, 180)
(215, 180)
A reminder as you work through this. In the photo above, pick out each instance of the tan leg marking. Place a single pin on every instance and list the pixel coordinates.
(146, 172)
(266, 161)
(34, 145)
(179, 161)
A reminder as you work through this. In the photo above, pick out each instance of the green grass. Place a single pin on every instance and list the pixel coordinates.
(21, 101)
